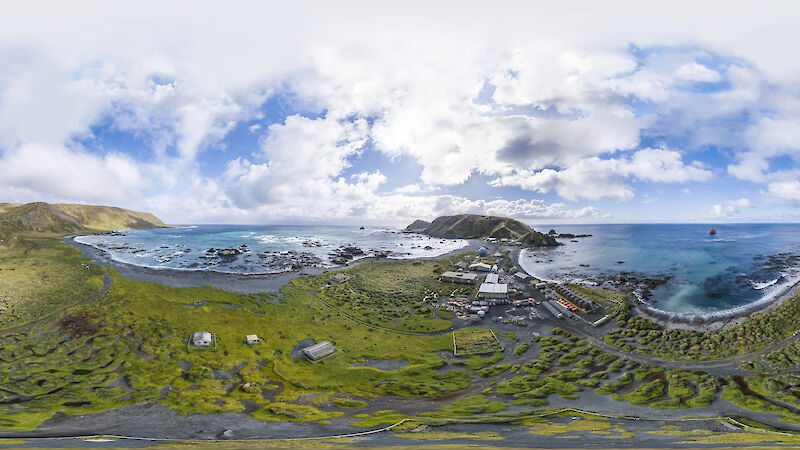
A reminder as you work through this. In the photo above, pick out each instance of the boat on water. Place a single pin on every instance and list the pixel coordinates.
(712, 231)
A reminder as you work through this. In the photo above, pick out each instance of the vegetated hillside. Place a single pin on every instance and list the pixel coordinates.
(67, 218)
(418, 226)
(6, 206)
(472, 226)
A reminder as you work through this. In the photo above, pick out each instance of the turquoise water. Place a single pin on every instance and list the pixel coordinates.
(269, 249)
(742, 265)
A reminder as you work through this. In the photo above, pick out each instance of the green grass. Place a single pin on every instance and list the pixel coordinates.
(521, 349)
(349, 403)
(468, 406)
(756, 331)
(734, 394)
(391, 294)
(606, 296)
(469, 342)
(613, 386)
(137, 331)
(496, 369)
(643, 393)
(143, 327)
(40, 275)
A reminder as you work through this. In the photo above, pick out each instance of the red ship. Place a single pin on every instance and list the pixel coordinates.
(713, 231)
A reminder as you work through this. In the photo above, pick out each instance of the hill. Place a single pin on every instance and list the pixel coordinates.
(65, 218)
(418, 226)
(472, 226)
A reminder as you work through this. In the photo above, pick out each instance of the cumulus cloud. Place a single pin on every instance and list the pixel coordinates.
(300, 159)
(785, 190)
(37, 170)
(729, 208)
(698, 73)
(595, 178)
(567, 116)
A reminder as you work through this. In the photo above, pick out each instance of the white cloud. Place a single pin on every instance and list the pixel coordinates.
(697, 73)
(595, 178)
(785, 190)
(300, 159)
(36, 170)
(409, 189)
(729, 208)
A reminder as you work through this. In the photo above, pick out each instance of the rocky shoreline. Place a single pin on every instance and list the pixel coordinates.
(242, 283)
(640, 287)
(243, 260)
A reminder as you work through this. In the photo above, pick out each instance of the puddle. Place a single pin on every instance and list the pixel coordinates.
(382, 364)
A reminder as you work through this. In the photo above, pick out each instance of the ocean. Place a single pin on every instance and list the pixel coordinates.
(696, 273)
(262, 249)
(742, 266)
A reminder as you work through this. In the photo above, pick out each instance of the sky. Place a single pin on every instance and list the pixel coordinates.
(353, 112)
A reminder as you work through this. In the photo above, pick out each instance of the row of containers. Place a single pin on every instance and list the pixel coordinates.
(577, 299)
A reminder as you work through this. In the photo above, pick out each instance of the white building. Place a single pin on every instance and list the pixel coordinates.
(480, 267)
(202, 339)
(493, 291)
(492, 278)
(252, 339)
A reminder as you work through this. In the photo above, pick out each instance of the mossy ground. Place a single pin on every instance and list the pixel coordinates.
(138, 351)
(470, 342)
(128, 346)
(397, 295)
(39, 275)
(756, 331)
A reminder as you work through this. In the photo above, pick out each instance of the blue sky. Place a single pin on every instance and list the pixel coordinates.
(348, 113)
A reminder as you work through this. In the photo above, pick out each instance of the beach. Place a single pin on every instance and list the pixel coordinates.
(231, 282)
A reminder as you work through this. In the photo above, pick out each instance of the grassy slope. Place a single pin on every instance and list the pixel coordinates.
(68, 218)
(103, 218)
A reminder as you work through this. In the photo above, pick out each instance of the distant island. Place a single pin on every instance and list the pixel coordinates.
(64, 218)
(473, 226)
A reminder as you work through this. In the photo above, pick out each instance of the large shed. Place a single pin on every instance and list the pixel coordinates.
(459, 277)
(493, 291)
(522, 276)
(318, 351)
(202, 339)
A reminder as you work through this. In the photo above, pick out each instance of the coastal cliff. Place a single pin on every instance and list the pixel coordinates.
(473, 226)
(63, 218)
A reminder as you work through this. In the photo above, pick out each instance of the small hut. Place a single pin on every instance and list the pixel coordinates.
(252, 339)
